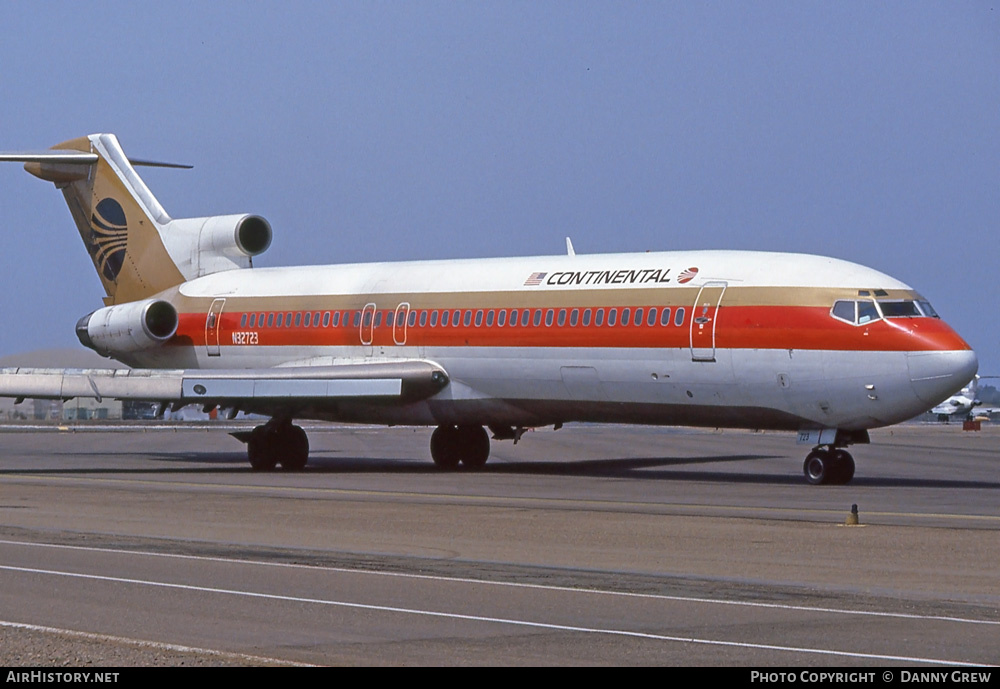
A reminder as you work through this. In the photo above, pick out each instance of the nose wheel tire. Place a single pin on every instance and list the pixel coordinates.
(843, 467)
(829, 467)
(465, 445)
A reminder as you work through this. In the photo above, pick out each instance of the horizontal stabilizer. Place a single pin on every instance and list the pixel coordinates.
(49, 156)
(70, 157)
(401, 380)
(155, 163)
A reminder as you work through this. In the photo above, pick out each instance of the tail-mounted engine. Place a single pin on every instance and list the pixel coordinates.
(202, 246)
(128, 327)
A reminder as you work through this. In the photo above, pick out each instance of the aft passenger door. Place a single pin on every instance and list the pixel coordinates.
(213, 326)
(399, 323)
(705, 319)
(368, 327)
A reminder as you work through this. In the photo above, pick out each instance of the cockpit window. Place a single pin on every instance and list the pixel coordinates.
(927, 309)
(862, 311)
(867, 312)
(899, 309)
(855, 312)
(844, 310)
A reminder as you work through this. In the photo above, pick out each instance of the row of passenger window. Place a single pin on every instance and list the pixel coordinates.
(453, 318)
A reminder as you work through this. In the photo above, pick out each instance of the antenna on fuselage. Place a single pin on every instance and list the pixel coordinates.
(569, 247)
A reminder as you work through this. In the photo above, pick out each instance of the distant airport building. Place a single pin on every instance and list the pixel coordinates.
(76, 409)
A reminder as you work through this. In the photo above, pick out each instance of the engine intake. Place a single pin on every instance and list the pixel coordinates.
(129, 327)
(253, 235)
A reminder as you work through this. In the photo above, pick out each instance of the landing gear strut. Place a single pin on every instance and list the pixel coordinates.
(468, 445)
(278, 442)
(829, 466)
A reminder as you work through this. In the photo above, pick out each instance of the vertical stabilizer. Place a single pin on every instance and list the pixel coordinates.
(137, 249)
(118, 219)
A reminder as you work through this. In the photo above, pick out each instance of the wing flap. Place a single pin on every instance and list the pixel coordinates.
(305, 388)
(404, 380)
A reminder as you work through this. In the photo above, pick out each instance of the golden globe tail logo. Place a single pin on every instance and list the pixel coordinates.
(108, 237)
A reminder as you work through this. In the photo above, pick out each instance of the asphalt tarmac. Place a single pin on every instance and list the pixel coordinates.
(584, 546)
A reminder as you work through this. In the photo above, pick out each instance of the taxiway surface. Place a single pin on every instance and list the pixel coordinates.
(590, 545)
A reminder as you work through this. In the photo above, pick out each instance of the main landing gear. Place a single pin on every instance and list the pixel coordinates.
(452, 445)
(829, 465)
(278, 441)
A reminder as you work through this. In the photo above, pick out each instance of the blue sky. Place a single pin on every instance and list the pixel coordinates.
(370, 131)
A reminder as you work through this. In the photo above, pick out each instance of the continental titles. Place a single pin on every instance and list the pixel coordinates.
(609, 277)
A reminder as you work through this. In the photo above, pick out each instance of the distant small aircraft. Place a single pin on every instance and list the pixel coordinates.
(734, 339)
(960, 404)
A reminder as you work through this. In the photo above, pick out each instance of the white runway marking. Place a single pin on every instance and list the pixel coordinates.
(487, 619)
(508, 584)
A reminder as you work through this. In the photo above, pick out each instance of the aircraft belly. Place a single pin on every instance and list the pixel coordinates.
(748, 388)
(656, 386)
(758, 388)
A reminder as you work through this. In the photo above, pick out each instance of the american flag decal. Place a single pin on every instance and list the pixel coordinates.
(535, 279)
(687, 275)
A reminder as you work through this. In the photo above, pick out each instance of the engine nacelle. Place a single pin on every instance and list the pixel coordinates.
(128, 327)
(234, 235)
(202, 246)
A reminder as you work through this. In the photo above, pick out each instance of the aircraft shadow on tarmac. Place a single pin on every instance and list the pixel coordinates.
(646, 468)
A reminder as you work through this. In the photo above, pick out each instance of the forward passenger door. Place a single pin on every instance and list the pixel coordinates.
(704, 320)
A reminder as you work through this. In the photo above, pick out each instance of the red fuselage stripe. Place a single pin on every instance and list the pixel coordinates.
(735, 327)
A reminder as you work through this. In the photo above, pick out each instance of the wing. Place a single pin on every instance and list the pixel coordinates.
(402, 381)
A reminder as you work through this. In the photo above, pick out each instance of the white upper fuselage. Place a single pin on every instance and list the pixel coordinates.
(607, 271)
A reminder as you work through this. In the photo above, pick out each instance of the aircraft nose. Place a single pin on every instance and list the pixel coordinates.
(935, 376)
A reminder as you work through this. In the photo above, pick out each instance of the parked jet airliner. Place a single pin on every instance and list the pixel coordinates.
(960, 404)
(819, 346)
